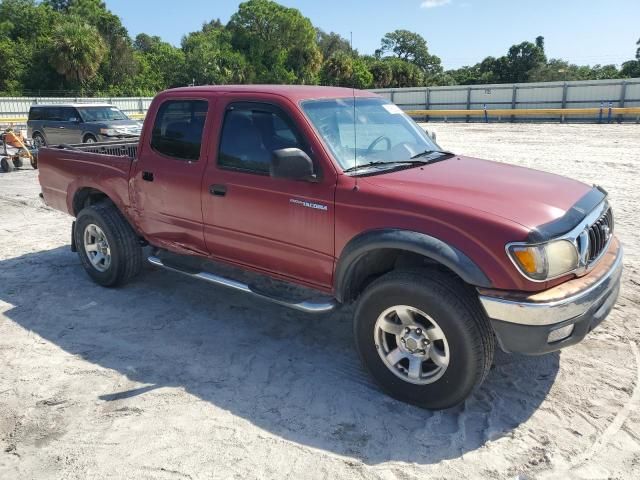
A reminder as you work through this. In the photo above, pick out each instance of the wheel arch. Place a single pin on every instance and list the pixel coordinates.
(89, 134)
(39, 132)
(86, 196)
(373, 253)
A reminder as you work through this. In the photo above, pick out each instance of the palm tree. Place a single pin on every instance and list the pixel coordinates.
(77, 49)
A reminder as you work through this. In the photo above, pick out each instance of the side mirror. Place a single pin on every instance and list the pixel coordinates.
(292, 163)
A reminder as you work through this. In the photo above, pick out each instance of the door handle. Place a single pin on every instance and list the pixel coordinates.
(218, 190)
(147, 176)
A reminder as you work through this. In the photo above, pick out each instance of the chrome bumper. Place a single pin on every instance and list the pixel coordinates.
(561, 305)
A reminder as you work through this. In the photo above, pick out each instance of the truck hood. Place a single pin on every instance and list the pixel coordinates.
(523, 195)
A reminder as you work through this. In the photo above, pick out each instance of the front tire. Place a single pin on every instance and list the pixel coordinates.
(423, 337)
(39, 141)
(89, 139)
(109, 249)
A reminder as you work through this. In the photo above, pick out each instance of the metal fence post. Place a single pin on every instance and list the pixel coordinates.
(393, 94)
(468, 101)
(600, 113)
(426, 103)
(514, 101)
(565, 89)
(623, 96)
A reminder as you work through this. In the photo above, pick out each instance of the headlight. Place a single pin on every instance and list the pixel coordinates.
(545, 261)
(109, 132)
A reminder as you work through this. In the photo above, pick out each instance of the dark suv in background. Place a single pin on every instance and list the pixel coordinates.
(79, 123)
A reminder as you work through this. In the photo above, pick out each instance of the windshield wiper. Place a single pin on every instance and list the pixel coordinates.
(379, 163)
(429, 152)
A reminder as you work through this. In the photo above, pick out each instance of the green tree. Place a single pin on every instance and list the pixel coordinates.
(410, 47)
(25, 30)
(161, 65)
(404, 73)
(330, 43)
(76, 51)
(381, 73)
(520, 61)
(278, 42)
(344, 70)
(211, 60)
(119, 62)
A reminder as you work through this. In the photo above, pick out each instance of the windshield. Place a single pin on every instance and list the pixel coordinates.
(101, 114)
(381, 131)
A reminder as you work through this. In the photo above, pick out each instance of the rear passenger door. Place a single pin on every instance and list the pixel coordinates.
(167, 175)
(52, 125)
(274, 225)
(69, 126)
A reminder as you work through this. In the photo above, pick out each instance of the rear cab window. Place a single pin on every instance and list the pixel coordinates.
(178, 127)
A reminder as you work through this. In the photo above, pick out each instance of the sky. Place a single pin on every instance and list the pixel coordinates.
(460, 32)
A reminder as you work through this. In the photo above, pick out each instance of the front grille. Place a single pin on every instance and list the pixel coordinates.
(599, 235)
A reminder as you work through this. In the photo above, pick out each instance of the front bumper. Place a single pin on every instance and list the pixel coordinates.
(523, 322)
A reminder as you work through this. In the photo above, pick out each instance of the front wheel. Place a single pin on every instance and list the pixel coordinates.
(39, 141)
(89, 139)
(108, 248)
(422, 336)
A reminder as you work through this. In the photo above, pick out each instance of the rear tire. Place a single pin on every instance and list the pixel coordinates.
(426, 318)
(108, 248)
(6, 165)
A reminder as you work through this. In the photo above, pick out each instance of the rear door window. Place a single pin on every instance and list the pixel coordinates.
(53, 114)
(177, 131)
(36, 113)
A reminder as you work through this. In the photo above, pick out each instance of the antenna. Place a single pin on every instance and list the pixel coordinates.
(353, 93)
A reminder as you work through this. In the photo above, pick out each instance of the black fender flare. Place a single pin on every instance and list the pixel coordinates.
(414, 242)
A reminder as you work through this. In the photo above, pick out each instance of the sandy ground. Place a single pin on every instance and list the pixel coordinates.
(169, 378)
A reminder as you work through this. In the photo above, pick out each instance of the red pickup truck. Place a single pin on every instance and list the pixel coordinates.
(334, 196)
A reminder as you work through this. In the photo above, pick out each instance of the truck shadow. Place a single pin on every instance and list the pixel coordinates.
(295, 376)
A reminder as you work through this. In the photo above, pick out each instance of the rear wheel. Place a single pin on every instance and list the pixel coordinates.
(108, 247)
(6, 165)
(422, 336)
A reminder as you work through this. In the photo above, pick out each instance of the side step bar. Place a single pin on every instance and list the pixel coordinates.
(305, 306)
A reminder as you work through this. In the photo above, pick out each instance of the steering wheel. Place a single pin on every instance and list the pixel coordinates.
(378, 140)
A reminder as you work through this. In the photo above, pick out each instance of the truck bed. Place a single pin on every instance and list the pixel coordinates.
(104, 166)
(127, 148)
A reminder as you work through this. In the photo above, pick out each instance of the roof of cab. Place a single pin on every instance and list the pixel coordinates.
(293, 92)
